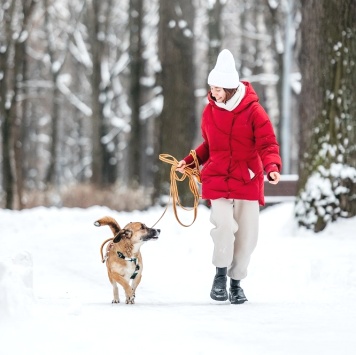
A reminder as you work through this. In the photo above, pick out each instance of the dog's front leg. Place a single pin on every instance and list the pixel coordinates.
(130, 297)
(135, 283)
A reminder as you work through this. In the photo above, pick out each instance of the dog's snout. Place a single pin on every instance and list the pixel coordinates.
(158, 231)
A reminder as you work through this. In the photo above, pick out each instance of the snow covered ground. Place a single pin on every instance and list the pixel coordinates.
(55, 297)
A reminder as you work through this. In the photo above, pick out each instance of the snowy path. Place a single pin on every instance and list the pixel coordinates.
(301, 289)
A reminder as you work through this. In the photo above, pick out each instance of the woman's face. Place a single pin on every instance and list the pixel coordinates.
(218, 93)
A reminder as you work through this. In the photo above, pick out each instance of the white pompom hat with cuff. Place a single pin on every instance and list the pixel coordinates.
(224, 74)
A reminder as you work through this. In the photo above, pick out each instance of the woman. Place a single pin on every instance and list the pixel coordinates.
(239, 143)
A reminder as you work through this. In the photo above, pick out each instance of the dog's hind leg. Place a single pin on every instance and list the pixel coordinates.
(116, 292)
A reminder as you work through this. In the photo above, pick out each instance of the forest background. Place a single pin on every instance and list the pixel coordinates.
(91, 92)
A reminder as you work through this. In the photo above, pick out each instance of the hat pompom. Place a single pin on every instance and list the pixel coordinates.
(224, 74)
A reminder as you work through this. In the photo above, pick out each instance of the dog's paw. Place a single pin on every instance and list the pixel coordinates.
(115, 301)
(130, 300)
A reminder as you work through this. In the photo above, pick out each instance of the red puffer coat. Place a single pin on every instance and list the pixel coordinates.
(237, 146)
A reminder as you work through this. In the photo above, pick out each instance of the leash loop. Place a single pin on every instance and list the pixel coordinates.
(191, 171)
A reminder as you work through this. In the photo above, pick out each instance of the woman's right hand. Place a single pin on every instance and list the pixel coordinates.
(181, 166)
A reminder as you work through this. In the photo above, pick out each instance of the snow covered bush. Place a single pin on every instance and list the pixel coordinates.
(328, 194)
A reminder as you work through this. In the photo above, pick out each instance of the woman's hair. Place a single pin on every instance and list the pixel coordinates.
(229, 94)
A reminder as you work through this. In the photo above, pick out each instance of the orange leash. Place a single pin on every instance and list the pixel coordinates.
(193, 174)
(102, 247)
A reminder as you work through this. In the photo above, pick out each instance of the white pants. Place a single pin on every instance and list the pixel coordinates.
(235, 234)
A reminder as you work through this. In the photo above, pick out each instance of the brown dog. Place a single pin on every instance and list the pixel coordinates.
(123, 257)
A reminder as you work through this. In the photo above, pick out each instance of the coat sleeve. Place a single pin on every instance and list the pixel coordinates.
(266, 141)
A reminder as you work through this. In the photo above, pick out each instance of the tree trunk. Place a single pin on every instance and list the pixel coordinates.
(11, 69)
(327, 113)
(95, 80)
(52, 168)
(177, 120)
(103, 170)
(8, 177)
(22, 138)
(50, 178)
(136, 149)
(7, 174)
(214, 31)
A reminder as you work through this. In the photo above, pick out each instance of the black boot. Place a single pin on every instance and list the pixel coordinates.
(218, 291)
(236, 294)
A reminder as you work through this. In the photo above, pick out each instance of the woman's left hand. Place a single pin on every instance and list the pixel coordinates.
(181, 166)
(275, 176)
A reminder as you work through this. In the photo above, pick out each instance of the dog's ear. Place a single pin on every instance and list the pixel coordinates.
(123, 233)
(118, 236)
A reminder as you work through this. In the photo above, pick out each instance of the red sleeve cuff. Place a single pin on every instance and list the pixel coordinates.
(188, 159)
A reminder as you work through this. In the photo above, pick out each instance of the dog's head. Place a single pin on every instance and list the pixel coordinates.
(137, 233)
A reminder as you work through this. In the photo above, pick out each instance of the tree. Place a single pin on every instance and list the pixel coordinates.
(327, 168)
(177, 123)
(56, 58)
(214, 31)
(107, 61)
(89, 92)
(59, 27)
(136, 70)
(5, 104)
(14, 34)
(97, 45)
(283, 22)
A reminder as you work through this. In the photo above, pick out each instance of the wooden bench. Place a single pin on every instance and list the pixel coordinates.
(285, 190)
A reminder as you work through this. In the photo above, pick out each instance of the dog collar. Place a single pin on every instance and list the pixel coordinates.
(122, 256)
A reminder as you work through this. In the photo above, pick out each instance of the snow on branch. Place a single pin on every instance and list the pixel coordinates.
(81, 106)
(120, 65)
(79, 50)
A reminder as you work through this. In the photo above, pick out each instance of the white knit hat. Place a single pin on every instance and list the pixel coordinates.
(224, 75)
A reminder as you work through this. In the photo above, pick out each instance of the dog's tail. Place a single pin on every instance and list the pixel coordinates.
(108, 221)
(115, 228)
